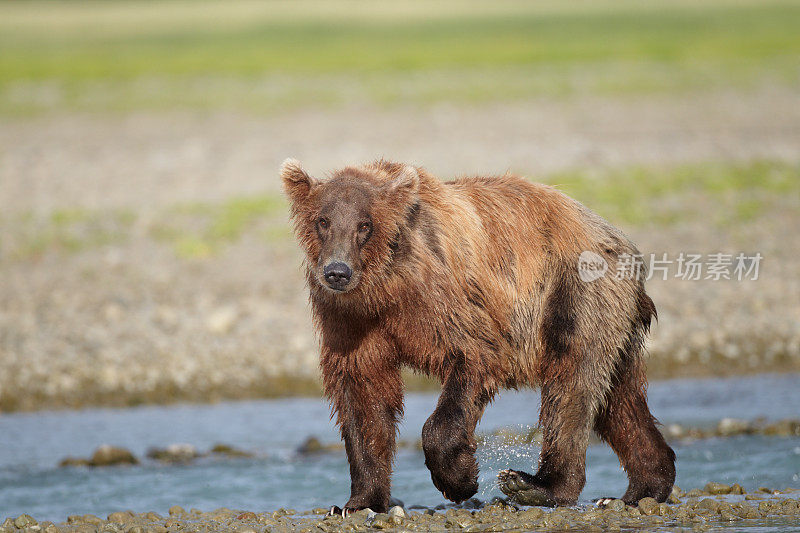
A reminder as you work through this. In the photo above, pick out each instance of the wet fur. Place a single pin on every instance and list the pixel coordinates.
(475, 281)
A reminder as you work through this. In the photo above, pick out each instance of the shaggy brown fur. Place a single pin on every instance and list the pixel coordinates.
(474, 281)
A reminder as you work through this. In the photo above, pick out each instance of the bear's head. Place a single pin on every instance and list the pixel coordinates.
(350, 224)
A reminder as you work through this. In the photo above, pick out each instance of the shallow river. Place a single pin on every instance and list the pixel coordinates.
(31, 445)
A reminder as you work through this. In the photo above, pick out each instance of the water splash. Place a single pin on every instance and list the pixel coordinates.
(510, 447)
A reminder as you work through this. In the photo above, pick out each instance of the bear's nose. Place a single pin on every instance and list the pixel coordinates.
(337, 274)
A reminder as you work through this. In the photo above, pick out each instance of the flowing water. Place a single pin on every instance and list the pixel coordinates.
(31, 445)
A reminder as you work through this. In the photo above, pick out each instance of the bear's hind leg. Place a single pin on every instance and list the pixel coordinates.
(626, 424)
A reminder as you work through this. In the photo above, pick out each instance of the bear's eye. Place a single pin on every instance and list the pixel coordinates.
(323, 222)
(364, 227)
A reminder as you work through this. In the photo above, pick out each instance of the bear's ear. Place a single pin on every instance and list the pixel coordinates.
(405, 182)
(296, 183)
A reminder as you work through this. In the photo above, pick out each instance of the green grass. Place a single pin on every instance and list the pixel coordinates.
(202, 229)
(729, 195)
(64, 231)
(274, 56)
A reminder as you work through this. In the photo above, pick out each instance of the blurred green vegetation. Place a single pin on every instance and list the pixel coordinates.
(199, 230)
(270, 56)
(727, 194)
(63, 231)
(730, 193)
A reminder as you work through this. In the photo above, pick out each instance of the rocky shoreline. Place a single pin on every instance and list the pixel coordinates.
(131, 323)
(203, 330)
(715, 505)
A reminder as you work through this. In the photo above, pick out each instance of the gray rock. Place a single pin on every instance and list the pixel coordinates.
(313, 445)
(737, 489)
(176, 510)
(708, 503)
(648, 506)
(732, 426)
(120, 517)
(24, 520)
(222, 320)
(717, 488)
(229, 451)
(174, 453)
(616, 505)
(107, 455)
(92, 519)
(73, 461)
(379, 521)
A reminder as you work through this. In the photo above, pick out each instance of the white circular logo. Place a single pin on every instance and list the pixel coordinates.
(591, 266)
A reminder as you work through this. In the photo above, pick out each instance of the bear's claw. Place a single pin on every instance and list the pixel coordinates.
(335, 510)
(519, 490)
(338, 511)
(603, 502)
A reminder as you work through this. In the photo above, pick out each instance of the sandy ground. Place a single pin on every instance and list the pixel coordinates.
(146, 160)
(130, 321)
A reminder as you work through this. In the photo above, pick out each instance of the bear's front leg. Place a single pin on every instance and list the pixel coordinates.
(568, 402)
(448, 437)
(367, 410)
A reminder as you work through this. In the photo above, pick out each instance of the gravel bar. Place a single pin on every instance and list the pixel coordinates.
(716, 505)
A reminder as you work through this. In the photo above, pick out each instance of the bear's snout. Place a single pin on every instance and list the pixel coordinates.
(337, 275)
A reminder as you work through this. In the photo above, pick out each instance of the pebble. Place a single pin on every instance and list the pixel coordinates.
(222, 320)
(313, 445)
(708, 503)
(121, 517)
(648, 506)
(397, 512)
(74, 461)
(732, 426)
(380, 521)
(180, 453)
(717, 488)
(229, 451)
(176, 510)
(24, 520)
(174, 453)
(616, 505)
(697, 514)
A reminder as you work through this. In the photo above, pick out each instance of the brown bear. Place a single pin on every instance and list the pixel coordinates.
(475, 281)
